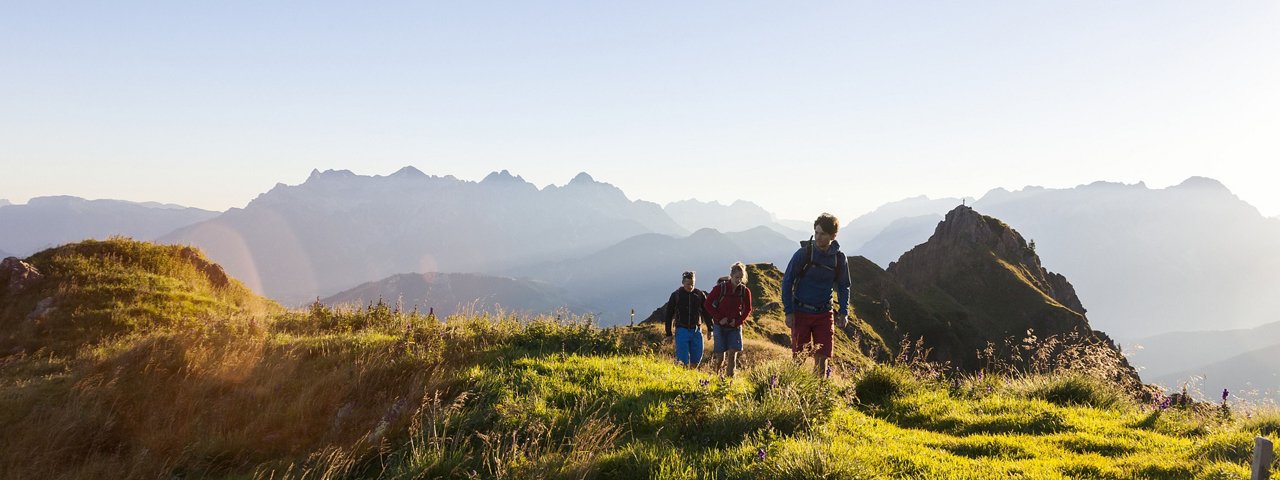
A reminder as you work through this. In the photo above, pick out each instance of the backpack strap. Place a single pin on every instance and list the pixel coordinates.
(808, 261)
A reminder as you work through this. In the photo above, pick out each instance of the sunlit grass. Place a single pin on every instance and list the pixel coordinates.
(377, 392)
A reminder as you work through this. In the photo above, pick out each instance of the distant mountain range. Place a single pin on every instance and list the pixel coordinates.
(1145, 260)
(45, 222)
(449, 293)
(738, 216)
(1251, 374)
(338, 229)
(1222, 356)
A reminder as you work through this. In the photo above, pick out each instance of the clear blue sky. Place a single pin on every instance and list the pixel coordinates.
(798, 106)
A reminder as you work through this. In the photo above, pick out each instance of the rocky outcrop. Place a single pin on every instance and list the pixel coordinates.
(17, 275)
(214, 272)
(977, 285)
(966, 235)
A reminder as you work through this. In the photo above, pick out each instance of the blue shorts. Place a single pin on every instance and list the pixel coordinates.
(688, 346)
(727, 338)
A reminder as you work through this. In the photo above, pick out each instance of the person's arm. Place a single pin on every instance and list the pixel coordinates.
(707, 303)
(842, 288)
(787, 277)
(706, 316)
(746, 311)
(669, 312)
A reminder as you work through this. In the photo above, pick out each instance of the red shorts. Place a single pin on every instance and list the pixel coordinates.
(815, 327)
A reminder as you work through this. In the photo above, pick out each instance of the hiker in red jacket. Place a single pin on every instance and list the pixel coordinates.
(729, 304)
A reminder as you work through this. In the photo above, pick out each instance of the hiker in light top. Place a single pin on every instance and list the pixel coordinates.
(685, 309)
(729, 304)
(816, 269)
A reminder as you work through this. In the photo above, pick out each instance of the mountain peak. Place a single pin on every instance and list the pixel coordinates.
(966, 236)
(317, 174)
(502, 177)
(582, 178)
(408, 172)
(963, 224)
(1202, 183)
(993, 286)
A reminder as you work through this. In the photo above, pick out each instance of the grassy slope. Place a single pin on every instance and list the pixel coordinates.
(380, 393)
(97, 289)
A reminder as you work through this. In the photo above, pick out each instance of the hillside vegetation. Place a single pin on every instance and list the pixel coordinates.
(241, 389)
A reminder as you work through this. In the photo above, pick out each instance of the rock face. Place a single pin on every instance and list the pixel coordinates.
(214, 272)
(17, 275)
(977, 285)
(966, 237)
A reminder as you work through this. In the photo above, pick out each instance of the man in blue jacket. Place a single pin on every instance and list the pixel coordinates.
(818, 268)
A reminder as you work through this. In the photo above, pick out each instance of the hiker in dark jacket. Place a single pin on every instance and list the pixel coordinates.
(729, 304)
(685, 309)
(814, 271)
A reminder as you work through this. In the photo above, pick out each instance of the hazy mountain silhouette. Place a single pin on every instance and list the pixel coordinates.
(1174, 353)
(448, 293)
(887, 246)
(738, 216)
(854, 234)
(1187, 257)
(338, 229)
(643, 270)
(45, 222)
(1253, 373)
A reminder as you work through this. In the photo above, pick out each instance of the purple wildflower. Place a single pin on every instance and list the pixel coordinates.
(1224, 395)
(760, 454)
(1164, 404)
(704, 382)
(773, 381)
(828, 370)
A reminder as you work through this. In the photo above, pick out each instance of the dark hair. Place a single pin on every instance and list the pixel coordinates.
(828, 222)
(685, 275)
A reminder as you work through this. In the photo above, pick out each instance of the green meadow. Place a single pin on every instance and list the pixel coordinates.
(193, 378)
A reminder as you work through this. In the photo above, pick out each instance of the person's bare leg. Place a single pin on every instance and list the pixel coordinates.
(732, 359)
(820, 364)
